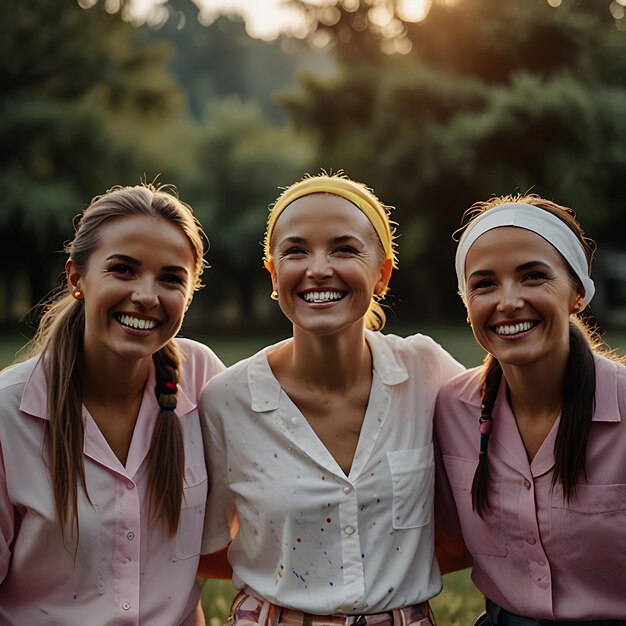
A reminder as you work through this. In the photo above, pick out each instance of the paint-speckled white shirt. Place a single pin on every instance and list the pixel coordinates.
(310, 537)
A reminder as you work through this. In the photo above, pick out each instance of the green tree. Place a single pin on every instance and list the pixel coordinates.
(241, 161)
(493, 98)
(76, 95)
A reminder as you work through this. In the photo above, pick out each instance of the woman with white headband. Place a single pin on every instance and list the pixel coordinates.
(321, 445)
(534, 442)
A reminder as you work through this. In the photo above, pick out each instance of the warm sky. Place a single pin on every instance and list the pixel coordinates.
(266, 18)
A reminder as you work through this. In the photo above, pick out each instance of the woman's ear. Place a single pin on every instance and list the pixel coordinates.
(579, 301)
(269, 266)
(72, 275)
(385, 274)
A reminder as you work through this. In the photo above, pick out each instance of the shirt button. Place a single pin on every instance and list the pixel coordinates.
(542, 562)
(126, 606)
(130, 536)
(526, 484)
(347, 489)
(130, 486)
(294, 420)
(532, 541)
(349, 530)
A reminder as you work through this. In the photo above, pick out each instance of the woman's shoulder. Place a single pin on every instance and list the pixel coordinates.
(13, 382)
(463, 388)
(424, 353)
(235, 377)
(16, 374)
(198, 355)
(412, 345)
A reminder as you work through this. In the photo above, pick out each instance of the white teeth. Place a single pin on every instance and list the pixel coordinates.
(135, 322)
(322, 296)
(514, 329)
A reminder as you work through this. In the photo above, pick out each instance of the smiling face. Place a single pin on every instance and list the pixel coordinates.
(136, 287)
(520, 295)
(328, 262)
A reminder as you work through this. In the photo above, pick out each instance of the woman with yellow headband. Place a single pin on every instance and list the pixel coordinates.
(326, 437)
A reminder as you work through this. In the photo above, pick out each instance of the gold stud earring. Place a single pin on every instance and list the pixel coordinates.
(274, 295)
(468, 321)
(78, 294)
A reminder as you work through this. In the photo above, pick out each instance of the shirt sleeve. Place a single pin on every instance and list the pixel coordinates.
(450, 549)
(220, 521)
(7, 521)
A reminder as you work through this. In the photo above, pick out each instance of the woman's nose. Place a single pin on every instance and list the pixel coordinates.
(319, 266)
(510, 299)
(145, 294)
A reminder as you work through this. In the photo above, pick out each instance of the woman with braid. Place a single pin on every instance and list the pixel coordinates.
(534, 442)
(321, 445)
(102, 474)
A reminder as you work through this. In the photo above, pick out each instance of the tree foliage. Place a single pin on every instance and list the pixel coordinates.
(493, 98)
(75, 95)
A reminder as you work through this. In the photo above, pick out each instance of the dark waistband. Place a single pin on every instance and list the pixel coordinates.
(501, 617)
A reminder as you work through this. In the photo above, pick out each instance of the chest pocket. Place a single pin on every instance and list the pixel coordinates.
(482, 536)
(189, 536)
(413, 480)
(592, 526)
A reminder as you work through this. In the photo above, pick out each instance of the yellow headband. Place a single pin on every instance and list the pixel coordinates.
(356, 193)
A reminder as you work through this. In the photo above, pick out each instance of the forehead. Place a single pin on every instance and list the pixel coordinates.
(145, 238)
(511, 246)
(322, 213)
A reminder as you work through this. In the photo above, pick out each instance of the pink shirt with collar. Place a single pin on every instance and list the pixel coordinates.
(534, 553)
(125, 570)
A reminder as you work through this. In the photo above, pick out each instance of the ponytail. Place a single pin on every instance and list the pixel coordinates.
(166, 457)
(62, 329)
(579, 393)
(491, 377)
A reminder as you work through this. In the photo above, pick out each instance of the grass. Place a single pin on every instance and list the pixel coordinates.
(460, 602)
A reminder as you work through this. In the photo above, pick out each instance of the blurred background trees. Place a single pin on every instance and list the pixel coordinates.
(478, 98)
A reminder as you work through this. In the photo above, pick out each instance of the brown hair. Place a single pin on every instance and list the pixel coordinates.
(59, 339)
(579, 384)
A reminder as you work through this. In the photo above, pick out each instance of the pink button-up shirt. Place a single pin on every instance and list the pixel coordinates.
(124, 570)
(534, 553)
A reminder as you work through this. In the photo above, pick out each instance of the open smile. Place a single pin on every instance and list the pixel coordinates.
(136, 323)
(320, 297)
(512, 330)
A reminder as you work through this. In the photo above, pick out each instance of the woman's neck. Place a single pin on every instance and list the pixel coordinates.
(536, 389)
(106, 385)
(332, 362)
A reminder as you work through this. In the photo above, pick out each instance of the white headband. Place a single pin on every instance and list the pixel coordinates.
(537, 220)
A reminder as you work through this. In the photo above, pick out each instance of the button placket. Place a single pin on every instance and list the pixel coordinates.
(353, 574)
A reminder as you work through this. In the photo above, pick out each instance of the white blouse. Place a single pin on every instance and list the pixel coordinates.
(309, 537)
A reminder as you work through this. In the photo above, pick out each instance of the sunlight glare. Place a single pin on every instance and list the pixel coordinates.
(617, 10)
(414, 10)
(380, 15)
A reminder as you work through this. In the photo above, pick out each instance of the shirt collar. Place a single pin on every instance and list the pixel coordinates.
(265, 389)
(607, 402)
(35, 396)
